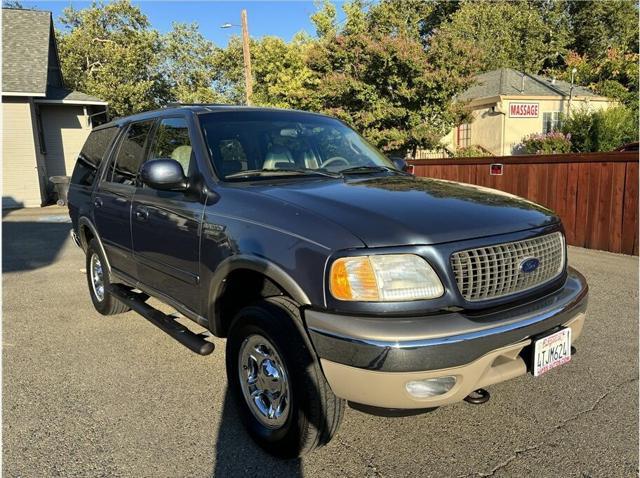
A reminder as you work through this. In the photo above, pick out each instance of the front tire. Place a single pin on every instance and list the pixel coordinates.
(98, 282)
(285, 402)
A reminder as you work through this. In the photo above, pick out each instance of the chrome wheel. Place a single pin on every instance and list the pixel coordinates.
(97, 277)
(264, 381)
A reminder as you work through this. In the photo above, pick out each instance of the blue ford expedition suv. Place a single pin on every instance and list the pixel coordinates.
(333, 274)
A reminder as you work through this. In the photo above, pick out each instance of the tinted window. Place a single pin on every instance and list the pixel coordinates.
(92, 154)
(131, 153)
(172, 141)
(272, 141)
(232, 155)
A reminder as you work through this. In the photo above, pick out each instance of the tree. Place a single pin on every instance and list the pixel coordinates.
(188, 65)
(15, 4)
(324, 20)
(507, 34)
(109, 50)
(387, 89)
(281, 76)
(417, 19)
(598, 26)
(615, 75)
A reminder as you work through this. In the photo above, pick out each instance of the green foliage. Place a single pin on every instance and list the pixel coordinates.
(603, 130)
(386, 87)
(598, 26)
(391, 68)
(188, 65)
(578, 127)
(472, 152)
(324, 20)
(281, 75)
(506, 34)
(550, 143)
(108, 50)
(417, 19)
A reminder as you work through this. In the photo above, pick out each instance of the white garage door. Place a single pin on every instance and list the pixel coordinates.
(65, 130)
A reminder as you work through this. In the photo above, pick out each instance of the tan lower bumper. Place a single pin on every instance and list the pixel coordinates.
(387, 389)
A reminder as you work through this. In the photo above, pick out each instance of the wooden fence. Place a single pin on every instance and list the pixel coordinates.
(595, 194)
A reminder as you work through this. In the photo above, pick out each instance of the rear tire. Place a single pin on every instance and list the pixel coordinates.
(308, 414)
(98, 282)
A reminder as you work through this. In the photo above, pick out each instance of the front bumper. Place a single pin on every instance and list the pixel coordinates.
(369, 360)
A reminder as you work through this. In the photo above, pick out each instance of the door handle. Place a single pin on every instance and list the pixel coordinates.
(97, 202)
(142, 213)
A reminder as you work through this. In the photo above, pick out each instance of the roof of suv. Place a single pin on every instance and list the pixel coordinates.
(197, 108)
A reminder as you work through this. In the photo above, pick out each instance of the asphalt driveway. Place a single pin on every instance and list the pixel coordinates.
(89, 396)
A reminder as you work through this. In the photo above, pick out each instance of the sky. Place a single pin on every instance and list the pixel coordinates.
(278, 18)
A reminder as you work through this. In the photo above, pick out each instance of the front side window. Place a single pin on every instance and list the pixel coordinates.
(172, 141)
(131, 153)
(285, 142)
(551, 121)
(92, 154)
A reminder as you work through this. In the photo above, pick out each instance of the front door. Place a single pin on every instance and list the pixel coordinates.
(112, 198)
(166, 224)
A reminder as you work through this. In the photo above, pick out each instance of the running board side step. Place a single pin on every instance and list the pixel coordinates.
(166, 323)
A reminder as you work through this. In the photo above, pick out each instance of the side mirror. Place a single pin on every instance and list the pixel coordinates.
(400, 163)
(163, 174)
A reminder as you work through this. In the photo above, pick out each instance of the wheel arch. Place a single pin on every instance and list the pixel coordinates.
(86, 232)
(247, 266)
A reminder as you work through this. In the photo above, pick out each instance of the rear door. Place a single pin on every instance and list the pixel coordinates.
(113, 196)
(165, 225)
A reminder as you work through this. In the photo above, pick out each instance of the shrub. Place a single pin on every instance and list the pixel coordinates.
(578, 125)
(612, 128)
(603, 130)
(472, 152)
(549, 143)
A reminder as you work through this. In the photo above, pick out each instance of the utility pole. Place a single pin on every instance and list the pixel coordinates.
(246, 53)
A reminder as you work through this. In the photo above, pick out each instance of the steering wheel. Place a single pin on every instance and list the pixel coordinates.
(335, 159)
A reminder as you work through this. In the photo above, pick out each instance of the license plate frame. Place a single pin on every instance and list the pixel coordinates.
(550, 351)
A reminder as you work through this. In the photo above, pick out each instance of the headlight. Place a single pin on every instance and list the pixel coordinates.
(384, 278)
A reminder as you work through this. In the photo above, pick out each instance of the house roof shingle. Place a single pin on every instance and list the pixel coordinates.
(25, 50)
(69, 96)
(508, 82)
(28, 51)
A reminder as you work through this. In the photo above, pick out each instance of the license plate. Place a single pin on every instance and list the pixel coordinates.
(551, 351)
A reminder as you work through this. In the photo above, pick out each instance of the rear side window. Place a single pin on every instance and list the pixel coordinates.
(92, 154)
(131, 153)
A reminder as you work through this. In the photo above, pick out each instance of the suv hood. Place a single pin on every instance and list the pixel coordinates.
(405, 210)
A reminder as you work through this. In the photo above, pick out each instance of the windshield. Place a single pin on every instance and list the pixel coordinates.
(251, 144)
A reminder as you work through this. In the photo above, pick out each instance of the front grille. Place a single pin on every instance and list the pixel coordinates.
(495, 271)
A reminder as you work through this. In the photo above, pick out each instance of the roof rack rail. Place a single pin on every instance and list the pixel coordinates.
(177, 104)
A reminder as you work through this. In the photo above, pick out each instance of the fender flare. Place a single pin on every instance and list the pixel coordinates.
(253, 263)
(84, 221)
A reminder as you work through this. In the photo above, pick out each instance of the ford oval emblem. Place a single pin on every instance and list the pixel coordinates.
(529, 264)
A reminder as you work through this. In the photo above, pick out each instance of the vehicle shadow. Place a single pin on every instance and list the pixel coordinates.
(29, 245)
(238, 455)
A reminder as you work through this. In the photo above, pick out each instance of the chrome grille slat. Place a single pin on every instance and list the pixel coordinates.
(494, 271)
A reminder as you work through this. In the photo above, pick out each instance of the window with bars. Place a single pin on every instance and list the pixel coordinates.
(551, 121)
(464, 135)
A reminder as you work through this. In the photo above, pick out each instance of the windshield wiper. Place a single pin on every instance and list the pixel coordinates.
(367, 169)
(282, 171)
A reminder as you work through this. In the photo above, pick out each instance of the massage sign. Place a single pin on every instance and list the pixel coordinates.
(524, 110)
